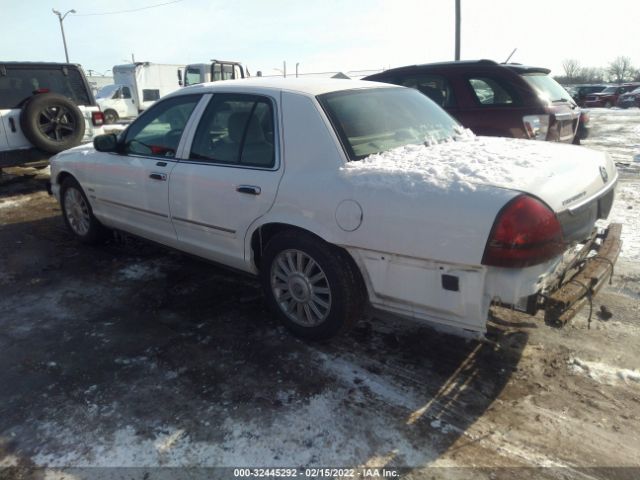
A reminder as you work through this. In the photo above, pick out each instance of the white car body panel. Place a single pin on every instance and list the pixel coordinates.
(402, 244)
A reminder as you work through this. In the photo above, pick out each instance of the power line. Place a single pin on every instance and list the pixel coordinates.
(127, 11)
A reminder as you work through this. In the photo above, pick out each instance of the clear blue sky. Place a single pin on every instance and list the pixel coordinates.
(327, 35)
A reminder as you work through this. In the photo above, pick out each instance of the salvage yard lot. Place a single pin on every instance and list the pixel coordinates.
(130, 355)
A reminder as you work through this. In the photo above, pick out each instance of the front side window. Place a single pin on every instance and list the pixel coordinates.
(436, 87)
(157, 133)
(126, 92)
(375, 120)
(490, 91)
(236, 130)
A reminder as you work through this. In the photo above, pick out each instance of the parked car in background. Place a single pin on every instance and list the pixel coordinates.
(579, 93)
(630, 99)
(608, 97)
(505, 100)
(337, 194)
(44, 108)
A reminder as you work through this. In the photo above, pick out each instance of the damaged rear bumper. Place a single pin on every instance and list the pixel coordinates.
(584, 278)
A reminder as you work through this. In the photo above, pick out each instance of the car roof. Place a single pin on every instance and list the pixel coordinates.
(466, 64)
(304, 86)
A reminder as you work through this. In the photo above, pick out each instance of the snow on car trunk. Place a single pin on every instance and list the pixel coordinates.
(561, 175)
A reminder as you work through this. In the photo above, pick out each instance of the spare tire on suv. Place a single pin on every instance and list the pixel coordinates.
(52, 122)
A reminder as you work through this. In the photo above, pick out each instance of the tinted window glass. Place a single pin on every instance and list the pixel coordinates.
(192, 77)
(436, 87)
(150, 95)
(126, 92)
(376, 120)
(236, 129)
(548, 89)
(157, 133)
(20, 82)
(490, 91)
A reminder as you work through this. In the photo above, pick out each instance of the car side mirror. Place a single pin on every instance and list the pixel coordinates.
(106, 143)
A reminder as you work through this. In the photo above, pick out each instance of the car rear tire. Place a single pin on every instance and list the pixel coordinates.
(78, 215)
(608, 104)
(52, 122)
(110, 116)
(312, 286)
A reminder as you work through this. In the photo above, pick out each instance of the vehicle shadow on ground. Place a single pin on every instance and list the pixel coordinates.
(108, 351)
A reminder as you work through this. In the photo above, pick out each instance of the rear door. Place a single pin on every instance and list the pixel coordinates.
(229, 177)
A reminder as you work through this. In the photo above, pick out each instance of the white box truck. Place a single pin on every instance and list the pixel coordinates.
(136, 87)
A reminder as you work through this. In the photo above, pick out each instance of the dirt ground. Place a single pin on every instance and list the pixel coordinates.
(124, 360)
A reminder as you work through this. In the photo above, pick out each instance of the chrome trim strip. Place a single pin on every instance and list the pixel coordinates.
(599, 194)
(117, 204)
(206, 225)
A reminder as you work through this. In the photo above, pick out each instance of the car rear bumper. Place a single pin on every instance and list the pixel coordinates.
(584, 277)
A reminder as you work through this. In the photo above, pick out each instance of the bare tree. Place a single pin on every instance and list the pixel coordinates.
(621, 69)
(571, 68)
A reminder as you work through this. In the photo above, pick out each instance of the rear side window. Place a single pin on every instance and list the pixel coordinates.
(236, 130)
(491, 91)
(20, 83)
(436, 87)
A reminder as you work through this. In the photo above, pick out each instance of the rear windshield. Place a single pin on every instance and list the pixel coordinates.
(548, 89)
(379, 119)
(610, 90)
(20, 83)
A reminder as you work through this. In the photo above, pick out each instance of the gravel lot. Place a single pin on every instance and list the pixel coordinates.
(130, 355)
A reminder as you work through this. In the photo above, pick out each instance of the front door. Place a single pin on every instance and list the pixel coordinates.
(130, 189)
(229, 179)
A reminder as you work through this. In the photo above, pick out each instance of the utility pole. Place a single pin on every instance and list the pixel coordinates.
(457, 30)
(64, 40)
(297, 65)
(284, 68)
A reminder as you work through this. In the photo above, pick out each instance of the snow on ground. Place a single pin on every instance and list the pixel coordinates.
(626, 210)
(617, 132)
(13, 202)
(603, 373)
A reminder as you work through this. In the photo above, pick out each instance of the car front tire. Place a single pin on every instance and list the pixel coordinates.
(310, 285)
(78, 215)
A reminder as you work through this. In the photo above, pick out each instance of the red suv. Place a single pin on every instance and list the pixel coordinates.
(609, 96)
(505, 100)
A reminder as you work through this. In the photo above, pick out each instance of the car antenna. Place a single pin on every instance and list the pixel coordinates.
(511, 55)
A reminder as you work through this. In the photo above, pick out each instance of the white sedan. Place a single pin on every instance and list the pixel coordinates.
(342, 194)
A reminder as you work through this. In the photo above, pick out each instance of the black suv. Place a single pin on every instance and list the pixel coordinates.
(44, 108)
(505, 100)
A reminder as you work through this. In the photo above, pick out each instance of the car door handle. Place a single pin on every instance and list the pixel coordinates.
(250, 189)
(159, 176)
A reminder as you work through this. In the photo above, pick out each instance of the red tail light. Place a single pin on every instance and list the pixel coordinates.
(41, 90)
(97, 118)
(526, 232)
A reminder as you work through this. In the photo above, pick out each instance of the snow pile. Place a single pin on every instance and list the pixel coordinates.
(462, 164)
(139, 271)
(603, 373)
(626, 210)
(10, 203)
